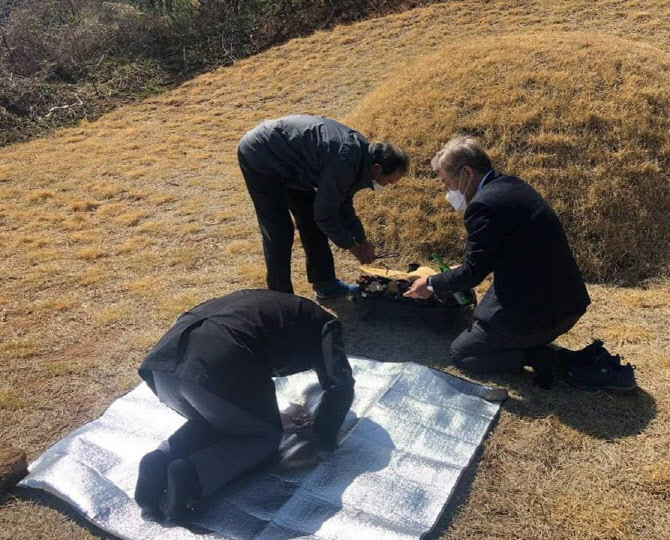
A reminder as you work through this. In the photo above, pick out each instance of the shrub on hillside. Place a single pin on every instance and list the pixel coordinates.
(54, 55)
(585, 119)
(63, 61)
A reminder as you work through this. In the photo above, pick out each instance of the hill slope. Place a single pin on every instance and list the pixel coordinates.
(109, 230)
(584, 117)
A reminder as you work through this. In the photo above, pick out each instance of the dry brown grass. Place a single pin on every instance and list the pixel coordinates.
(559, 465)
(583, 117)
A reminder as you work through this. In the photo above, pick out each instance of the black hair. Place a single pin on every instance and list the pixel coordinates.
(390, 157)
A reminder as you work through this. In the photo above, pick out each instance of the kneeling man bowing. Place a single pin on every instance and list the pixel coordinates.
(215, 368)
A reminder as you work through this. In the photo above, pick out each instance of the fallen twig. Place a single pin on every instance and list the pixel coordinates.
(61, 107)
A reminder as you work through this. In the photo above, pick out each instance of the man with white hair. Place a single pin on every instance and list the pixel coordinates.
(537, 293)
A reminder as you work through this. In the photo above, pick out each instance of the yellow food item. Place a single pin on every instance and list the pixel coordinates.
(422, 271)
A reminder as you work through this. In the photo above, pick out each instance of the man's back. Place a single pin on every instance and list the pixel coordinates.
(537, 282)
(275, 332)
(297, 148)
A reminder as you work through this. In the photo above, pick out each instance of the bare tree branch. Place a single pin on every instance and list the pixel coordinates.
(62, 107)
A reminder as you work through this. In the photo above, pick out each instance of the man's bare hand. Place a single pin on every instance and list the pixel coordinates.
(306, 430)
(304, 425)
(297, 419)
(364, 252)
(418, 289)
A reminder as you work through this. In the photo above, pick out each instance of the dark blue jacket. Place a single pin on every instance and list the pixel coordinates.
(312, 152)
(249, 336)
(515, 234)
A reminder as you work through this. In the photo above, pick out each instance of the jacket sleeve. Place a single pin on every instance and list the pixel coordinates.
(337, 383)
(481, 251)
(338, 223)
(351, 220)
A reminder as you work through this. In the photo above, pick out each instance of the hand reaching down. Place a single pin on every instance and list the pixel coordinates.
(364, 252)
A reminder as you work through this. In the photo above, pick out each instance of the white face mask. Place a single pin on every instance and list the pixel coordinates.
(457, 200)
(376, 186)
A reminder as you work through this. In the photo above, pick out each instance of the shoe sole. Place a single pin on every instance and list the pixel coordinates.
(175, 504)
(336, 297)
(613, 389)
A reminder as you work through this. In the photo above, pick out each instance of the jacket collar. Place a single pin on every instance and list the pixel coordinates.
(364, 179)
(363, 176)
(485, 181)
(489, 177)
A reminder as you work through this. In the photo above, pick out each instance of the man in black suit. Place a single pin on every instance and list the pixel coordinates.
(538, 292)
(215, 367)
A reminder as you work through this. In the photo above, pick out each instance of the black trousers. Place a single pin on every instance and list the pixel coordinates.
(220, 439)
(274, 205)
(482, 348)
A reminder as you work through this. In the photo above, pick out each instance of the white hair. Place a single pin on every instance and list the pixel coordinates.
(459, 151)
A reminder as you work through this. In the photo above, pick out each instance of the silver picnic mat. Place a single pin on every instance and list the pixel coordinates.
(410, 434)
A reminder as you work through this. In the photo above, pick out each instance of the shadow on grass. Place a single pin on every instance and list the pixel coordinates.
(388, 339)
(600, 415)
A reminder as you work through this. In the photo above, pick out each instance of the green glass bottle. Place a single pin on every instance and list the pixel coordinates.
(440, 263)
(463, 298)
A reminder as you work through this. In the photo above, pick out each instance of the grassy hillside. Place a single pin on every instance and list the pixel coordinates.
(583, 117)
(110, 229)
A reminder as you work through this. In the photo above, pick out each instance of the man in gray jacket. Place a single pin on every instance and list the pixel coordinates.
(311, 167)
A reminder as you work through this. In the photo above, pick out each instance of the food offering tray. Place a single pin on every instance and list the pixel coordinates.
(380, 295)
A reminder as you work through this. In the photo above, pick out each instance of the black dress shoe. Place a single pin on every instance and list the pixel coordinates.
(151, 481)
(183, 489)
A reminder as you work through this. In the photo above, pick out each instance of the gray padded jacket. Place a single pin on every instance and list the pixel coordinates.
(312, 152)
